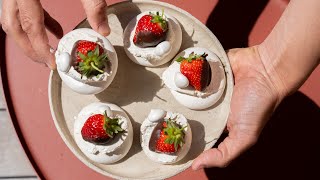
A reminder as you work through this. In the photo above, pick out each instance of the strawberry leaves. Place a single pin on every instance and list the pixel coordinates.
(157, 18)
(191, 57)
(93, 63)
(111, 126)
(175, 134)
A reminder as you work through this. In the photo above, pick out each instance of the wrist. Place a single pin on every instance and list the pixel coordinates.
(270, 61)
(291, 51)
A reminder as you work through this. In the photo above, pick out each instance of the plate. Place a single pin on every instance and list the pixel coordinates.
(137, 89)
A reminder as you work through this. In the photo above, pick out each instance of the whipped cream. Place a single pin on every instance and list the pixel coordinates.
(153, 56)
(148, 127)
(116, 148)
(73, 78)
(186, 95)
(180, 80)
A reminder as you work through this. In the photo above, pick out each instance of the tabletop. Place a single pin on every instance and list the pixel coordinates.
(235, 23)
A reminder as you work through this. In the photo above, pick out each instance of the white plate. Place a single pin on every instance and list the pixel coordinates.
(138, 89)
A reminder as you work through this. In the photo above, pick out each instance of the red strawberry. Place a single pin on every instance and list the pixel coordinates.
(151, 30)
(171, 138)
(197, 69)
(91, 58)
(85, 46)
(164, 124)
(99, 128)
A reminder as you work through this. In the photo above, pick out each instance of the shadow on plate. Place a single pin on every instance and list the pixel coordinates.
(288, 147)
(130, 14)
(198, 144)
(136, 145)
(133, 83)
(187, 39)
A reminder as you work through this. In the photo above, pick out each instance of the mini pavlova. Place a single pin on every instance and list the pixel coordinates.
(103, 132)
(86, 61)
(196, 78)
(152, 38)
(165, 136)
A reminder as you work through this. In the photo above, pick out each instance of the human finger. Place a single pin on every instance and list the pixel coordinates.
(226, 152)
(11, 25)
(32, 22)
(96, 14)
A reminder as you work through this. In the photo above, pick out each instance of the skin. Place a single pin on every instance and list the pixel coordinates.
(264, 74)
(26, 22)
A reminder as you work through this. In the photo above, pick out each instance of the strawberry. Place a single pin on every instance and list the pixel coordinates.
(91, 58)
(171, 138)
(197, 69)
(151, 30)
(99, 128)
(84, 47)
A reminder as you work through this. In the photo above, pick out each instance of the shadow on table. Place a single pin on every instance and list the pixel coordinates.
(232, 21)
(288, 147)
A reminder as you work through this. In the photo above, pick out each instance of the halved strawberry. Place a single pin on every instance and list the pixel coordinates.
(99, 128)
(171, 137)
(197, 69)
(91, 58)
(151, 30)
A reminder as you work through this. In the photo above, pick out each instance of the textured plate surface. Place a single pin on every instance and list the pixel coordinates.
(138, 89)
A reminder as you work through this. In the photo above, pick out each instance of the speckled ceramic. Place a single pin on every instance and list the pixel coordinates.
(137, 89)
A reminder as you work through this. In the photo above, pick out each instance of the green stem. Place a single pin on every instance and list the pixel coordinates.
(96, 68)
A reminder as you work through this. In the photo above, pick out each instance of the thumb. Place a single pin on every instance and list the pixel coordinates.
(51, 61)
(96, 14)
(227, 151)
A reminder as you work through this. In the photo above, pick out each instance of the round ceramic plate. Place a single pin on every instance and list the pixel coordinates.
(138, 89)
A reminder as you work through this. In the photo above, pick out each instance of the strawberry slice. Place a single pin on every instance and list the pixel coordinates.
(197, 69)
(99, 128)
(171, 137)
(151, 30)
(91, 58)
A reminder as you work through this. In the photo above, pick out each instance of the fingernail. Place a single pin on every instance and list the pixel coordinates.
(104, 29)
(52, 50)
(51, 65)
(51, 62)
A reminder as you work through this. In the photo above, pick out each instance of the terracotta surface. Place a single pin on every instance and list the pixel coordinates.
(27, 81)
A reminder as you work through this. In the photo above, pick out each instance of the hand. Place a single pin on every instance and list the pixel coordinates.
(26, 22)
(254, 99)
(96, 14)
